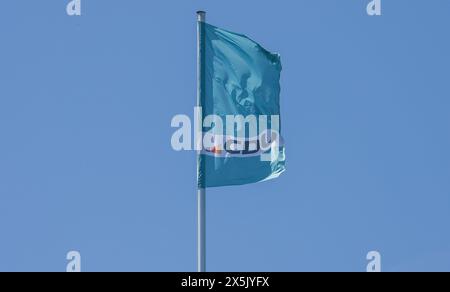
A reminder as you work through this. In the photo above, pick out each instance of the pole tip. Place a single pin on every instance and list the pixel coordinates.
(201, 15)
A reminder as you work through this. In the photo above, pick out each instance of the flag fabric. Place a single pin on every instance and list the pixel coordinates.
(238, 77)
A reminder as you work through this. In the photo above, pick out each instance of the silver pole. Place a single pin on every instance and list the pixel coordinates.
(201, 194)
(201, 260)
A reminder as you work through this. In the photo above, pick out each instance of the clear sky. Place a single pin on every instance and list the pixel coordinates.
(86, 162)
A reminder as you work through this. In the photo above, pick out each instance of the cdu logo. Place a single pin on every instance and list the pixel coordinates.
(374, 8)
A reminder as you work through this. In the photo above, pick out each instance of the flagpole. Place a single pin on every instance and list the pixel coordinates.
(201, 193)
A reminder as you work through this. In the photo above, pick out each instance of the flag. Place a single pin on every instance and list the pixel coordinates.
(239, 78)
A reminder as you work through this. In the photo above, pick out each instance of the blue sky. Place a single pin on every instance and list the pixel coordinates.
(86, 162)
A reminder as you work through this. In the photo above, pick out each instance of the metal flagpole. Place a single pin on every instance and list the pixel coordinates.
(201, 194)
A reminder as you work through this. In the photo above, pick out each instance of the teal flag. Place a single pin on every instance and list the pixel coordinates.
(238, 78)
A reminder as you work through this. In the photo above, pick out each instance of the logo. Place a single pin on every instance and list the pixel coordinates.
(374, 258)
(229, 135)
(74, 264)
(374, 8)
(74, 8)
